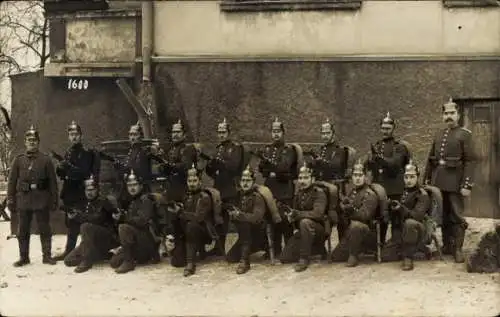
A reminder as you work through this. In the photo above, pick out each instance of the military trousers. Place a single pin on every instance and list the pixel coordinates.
(251, 239)
(95, 245)
(192, 239)
(454, 224)
(137, 245)
(359, 237)
(310, 234)
(24, 231)
(405, 241)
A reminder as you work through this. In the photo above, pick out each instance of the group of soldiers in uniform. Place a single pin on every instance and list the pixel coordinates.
(290, 216)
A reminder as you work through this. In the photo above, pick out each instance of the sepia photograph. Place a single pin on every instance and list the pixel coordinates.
(250, 158)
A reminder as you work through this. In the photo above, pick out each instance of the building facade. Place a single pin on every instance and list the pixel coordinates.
(250, 61)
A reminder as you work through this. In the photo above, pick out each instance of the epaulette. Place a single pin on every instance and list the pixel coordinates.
(466, 130)
(423, 191)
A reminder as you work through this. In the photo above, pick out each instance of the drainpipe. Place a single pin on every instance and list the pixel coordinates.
(147, 39)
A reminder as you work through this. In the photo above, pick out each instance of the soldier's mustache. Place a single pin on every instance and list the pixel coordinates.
(449, 120)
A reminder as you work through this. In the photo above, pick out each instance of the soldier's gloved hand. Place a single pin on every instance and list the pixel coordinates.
(395, 205)
(175, 207)
(292, 215)
(72, 213)
(117, 215)
(169, 242)
(234, 213)
(465, 192)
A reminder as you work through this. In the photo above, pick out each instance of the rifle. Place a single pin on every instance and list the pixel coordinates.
(61, 158)
(288, 211)
(269, 235)
(205, 156)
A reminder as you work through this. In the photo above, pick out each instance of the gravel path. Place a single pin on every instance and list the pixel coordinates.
(435, 288)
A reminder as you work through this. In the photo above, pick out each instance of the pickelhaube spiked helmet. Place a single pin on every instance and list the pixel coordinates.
(305, 168)
(136, 128)
(327, 126)
(387, 119)
(223, 126)
(132, 178)
(277, 125)
(449, 105)
(193, 171)
(411, 168)
(74, 127)
(248, 172)
(32, 132)
(358, 167)
(90, 182)
(178, 126)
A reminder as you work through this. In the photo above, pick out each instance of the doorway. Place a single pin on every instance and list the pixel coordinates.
(482, 117)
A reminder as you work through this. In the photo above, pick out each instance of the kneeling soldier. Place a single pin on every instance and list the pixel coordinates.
(411, 211)
(191, 222)
(248, 218)
(96, 227)
(308, 212)
(359, 209)
(137, 242)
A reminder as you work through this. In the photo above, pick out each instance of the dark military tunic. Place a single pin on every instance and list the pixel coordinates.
(226, 169)
(450, 163)
(99, 234)
(180, 157)
(32, 183)
(389, 171)
(249, 224)
(310, 206)
(139, 160)
(409, 231)
(283, 162)
(332, 162)
(82, 163)
(190, 227)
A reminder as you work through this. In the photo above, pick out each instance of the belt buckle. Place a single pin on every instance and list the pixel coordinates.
(33, 186)
(380, 171)
(442, 162)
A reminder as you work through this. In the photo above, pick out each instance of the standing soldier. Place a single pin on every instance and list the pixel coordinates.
(137, 242)
(180, 157)
(78, 164)
(386, 162)
(359, 207)
(279, 164)
(449, 168)
(307, 215)
(247, 214)
(411, 211)
(97, 226)
(225, 169)
(32, 190)
(139, 160)
(192, 222)
(333, 164)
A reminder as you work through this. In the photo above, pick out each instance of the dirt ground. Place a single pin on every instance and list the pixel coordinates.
(434, 288)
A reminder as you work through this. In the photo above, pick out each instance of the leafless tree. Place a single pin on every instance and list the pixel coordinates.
(23, 47)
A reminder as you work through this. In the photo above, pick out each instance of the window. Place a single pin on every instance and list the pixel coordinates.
(288, 5)
(481, 113)
(470, 3)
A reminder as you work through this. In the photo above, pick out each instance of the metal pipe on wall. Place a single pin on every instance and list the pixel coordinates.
(147, 38)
